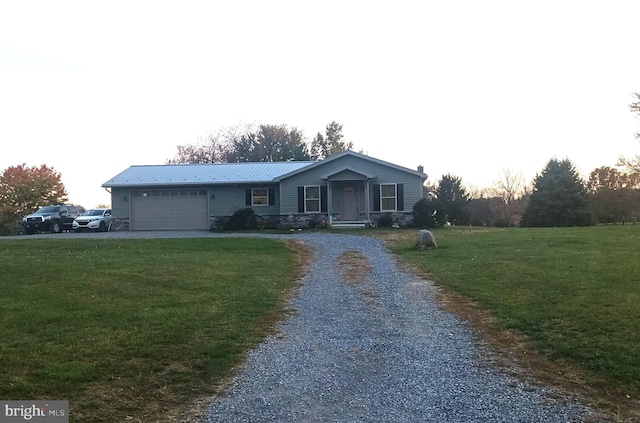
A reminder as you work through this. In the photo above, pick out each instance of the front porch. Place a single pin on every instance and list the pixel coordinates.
(349, 199)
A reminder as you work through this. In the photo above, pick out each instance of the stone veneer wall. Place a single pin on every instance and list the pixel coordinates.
(120, 224)
(294, 221)
(402, 219)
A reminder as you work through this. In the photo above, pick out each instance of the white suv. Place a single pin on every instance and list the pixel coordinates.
(95, 219)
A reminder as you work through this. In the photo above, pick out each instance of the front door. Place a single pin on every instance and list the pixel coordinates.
(350, 203)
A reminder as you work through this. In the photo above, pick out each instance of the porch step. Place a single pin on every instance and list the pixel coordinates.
(348, 224)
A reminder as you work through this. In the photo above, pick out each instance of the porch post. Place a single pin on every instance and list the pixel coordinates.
(329, 195)
(366, 196)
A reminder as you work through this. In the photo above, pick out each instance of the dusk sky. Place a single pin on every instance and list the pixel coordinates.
(467, 88)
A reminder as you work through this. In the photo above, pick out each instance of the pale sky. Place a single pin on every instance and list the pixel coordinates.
(462, 87)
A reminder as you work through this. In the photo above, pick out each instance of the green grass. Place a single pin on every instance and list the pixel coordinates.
(143, 327)
(574, 292)
(133, 327)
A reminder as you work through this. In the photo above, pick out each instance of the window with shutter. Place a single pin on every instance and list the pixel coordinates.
(388, 197)
(259, 197)
(312, 199)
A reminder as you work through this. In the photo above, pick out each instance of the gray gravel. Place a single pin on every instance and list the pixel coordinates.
(378, 351)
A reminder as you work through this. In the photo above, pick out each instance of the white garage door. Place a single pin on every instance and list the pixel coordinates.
(169, 210)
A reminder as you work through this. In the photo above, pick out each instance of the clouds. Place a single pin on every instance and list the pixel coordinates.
(467, 88)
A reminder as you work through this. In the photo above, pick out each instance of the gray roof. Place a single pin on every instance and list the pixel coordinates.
(203, 174)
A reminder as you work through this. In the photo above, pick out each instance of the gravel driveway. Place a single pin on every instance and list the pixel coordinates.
(375, 350)
(380, 350)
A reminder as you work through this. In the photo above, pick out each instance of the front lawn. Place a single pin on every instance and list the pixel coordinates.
(573, 292)
(134, 329)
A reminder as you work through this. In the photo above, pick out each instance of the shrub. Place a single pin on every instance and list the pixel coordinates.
(220, 224)
(314, 223)
(242, 219)
(385, 221)
(426, 213)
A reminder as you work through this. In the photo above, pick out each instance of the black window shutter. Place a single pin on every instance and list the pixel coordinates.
(323, 198)
(300, 199)
(247, 196)
(400, 198)
(272, 197)
(376, 197)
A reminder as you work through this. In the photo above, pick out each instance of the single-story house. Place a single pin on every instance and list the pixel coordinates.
(348, 188)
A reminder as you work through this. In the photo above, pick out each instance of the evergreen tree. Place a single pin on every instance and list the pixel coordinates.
(559, 198)
(428, 213)
(454, 199)
(329, 144)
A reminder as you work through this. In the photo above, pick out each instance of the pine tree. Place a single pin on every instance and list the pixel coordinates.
(559, 198)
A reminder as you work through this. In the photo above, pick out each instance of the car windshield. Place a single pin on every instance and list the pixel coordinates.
(93, 212)
(49, 209)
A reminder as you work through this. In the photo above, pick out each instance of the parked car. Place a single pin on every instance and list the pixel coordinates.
(55, 218)
(95, 219)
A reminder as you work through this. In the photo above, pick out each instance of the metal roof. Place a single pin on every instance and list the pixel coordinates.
(354, 154)
(204, 174)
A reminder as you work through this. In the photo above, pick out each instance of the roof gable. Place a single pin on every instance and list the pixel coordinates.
(349, 153)
(347, 171)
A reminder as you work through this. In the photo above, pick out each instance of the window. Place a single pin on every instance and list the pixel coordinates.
(168, 193)
(259, 197)
(312, 199)
(388, 197)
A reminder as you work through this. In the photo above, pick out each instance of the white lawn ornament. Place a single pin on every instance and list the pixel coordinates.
(426, 239)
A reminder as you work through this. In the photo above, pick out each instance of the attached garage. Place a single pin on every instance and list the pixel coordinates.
(169, 209)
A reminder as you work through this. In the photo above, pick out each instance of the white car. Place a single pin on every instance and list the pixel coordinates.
(95, 219)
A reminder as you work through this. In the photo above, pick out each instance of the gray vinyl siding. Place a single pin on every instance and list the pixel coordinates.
(227, 199)
(412, 192)
(383, 174)
(120, 203)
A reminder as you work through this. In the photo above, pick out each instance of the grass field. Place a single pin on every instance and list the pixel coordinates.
(141, 328)
(136, 328)
(574, 292)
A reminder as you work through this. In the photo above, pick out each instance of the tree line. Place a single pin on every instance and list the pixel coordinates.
(262, 143)
(556, 197)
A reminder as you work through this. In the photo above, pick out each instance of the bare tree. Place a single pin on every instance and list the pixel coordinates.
(632, 165)
(213, 148)
(613, 194)
(635, 108)
(509, 187)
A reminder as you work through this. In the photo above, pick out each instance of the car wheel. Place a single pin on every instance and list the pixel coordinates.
(103, 227)
(56, 228)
